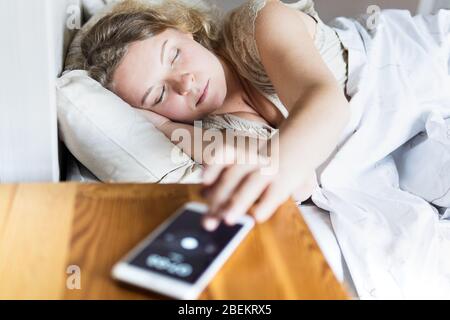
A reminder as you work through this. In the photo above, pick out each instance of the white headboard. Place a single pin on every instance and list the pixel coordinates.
(34, 34)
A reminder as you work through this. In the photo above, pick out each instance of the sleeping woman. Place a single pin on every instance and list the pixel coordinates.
(269, 68)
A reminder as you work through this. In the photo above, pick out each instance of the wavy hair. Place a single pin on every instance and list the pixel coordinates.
(105, 44)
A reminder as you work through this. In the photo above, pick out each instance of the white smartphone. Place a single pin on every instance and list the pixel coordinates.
(180, 257)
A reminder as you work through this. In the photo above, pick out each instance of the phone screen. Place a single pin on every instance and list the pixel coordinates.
(184, 250)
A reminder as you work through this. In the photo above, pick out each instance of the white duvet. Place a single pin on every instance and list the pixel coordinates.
(394, 241)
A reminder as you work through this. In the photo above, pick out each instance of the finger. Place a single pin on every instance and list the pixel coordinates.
(225, 186)
(244, 197)
(269, 202)
(210, 223)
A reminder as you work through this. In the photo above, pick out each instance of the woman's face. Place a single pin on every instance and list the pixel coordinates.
(168, 74)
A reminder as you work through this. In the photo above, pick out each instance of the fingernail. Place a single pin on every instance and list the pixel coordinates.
(211, 224)
(230, 220)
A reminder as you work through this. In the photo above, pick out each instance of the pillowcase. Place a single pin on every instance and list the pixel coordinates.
(115, 141)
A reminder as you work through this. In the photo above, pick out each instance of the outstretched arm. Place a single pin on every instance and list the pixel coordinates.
(318, 110)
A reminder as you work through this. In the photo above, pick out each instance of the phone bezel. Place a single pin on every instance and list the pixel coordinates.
(124, 271)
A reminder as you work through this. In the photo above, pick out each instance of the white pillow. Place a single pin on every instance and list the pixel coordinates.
(114, 141)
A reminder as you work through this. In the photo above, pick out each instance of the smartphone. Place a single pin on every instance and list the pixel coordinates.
(180, 257)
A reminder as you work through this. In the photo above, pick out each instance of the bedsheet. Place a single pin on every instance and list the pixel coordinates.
(394, 242)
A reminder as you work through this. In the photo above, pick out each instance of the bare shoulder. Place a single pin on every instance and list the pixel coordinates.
(275, 12)
(288, 52)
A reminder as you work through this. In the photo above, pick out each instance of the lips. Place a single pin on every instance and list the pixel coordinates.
(204, 94)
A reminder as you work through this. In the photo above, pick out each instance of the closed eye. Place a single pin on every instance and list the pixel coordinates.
(176, 56)
(162, 96)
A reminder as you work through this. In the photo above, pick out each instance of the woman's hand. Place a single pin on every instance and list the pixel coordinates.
(232, 190)
(156, 119)
(318, 114)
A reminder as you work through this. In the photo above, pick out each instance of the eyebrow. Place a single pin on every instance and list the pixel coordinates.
(147, 93)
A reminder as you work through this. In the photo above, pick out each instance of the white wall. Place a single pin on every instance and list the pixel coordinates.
(427, 6)
(331, 8)
(31, 55)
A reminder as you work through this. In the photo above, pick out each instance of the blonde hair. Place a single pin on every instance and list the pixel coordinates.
(105, 44)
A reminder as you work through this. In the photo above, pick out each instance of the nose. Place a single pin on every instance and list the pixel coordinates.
(185, 83)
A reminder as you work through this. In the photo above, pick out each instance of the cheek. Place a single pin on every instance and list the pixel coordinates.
(176, 110)
(200, 59)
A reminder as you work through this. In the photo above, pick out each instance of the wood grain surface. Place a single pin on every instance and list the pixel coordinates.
(46, 228)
